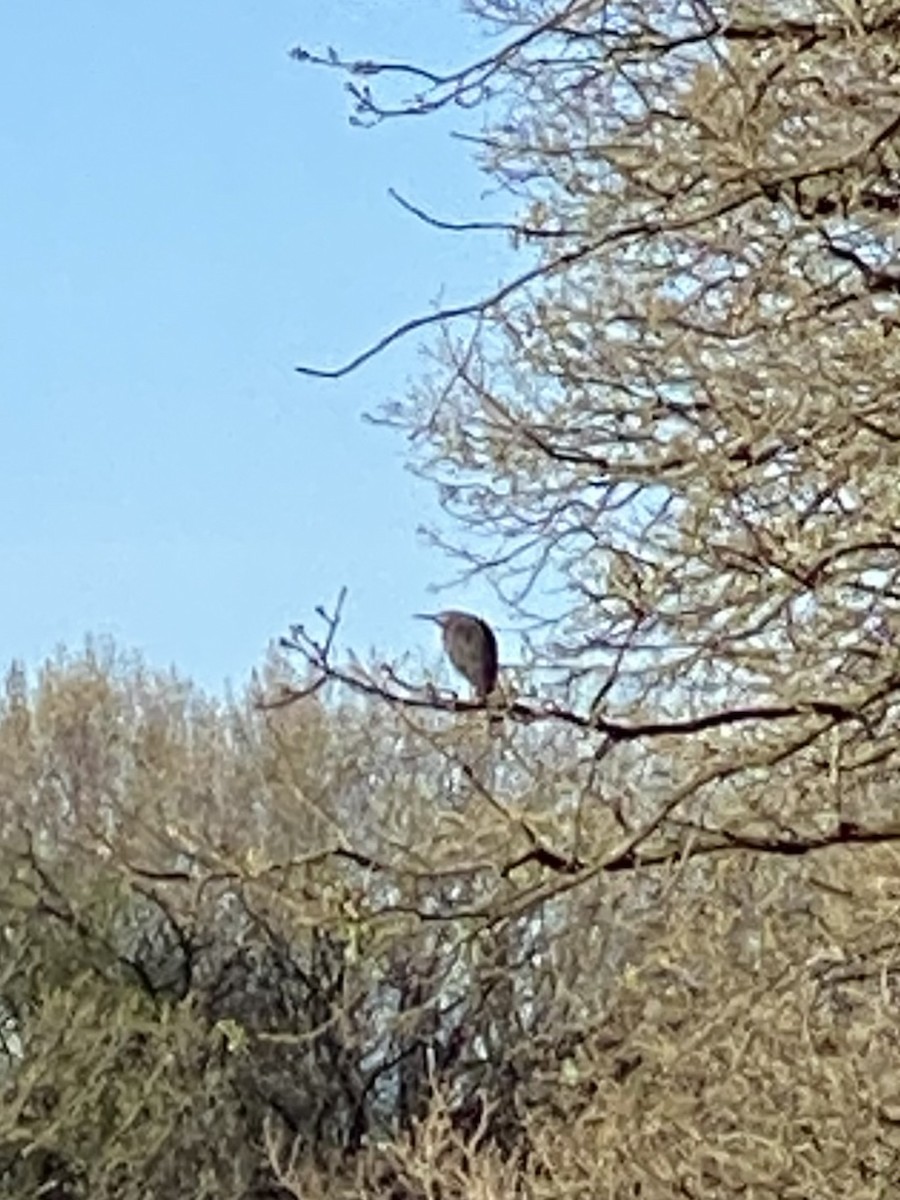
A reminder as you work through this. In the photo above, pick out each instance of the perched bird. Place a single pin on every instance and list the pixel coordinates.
(471, 647)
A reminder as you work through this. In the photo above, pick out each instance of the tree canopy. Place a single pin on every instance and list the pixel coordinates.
(334, 939)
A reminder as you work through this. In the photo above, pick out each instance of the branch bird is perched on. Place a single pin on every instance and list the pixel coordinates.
(471, 647)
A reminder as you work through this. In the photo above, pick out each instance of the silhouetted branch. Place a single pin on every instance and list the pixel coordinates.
(474, 308)
(875, 279)
(317, 656)
(510, 227)
(465, 88)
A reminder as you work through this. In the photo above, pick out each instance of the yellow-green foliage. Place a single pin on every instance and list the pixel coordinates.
(644, 941)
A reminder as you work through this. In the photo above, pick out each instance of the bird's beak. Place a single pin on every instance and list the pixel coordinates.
(425, 616)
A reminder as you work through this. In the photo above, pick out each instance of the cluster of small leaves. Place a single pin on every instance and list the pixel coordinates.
(308, 967)
(645, 942)
(671, 442)
(222, 927)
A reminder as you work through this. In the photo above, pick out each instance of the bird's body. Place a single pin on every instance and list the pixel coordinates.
(471, 647)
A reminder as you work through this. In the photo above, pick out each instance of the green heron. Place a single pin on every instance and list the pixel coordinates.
(471, 647)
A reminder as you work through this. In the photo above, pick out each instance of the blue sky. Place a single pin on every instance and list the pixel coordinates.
(185, 214)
